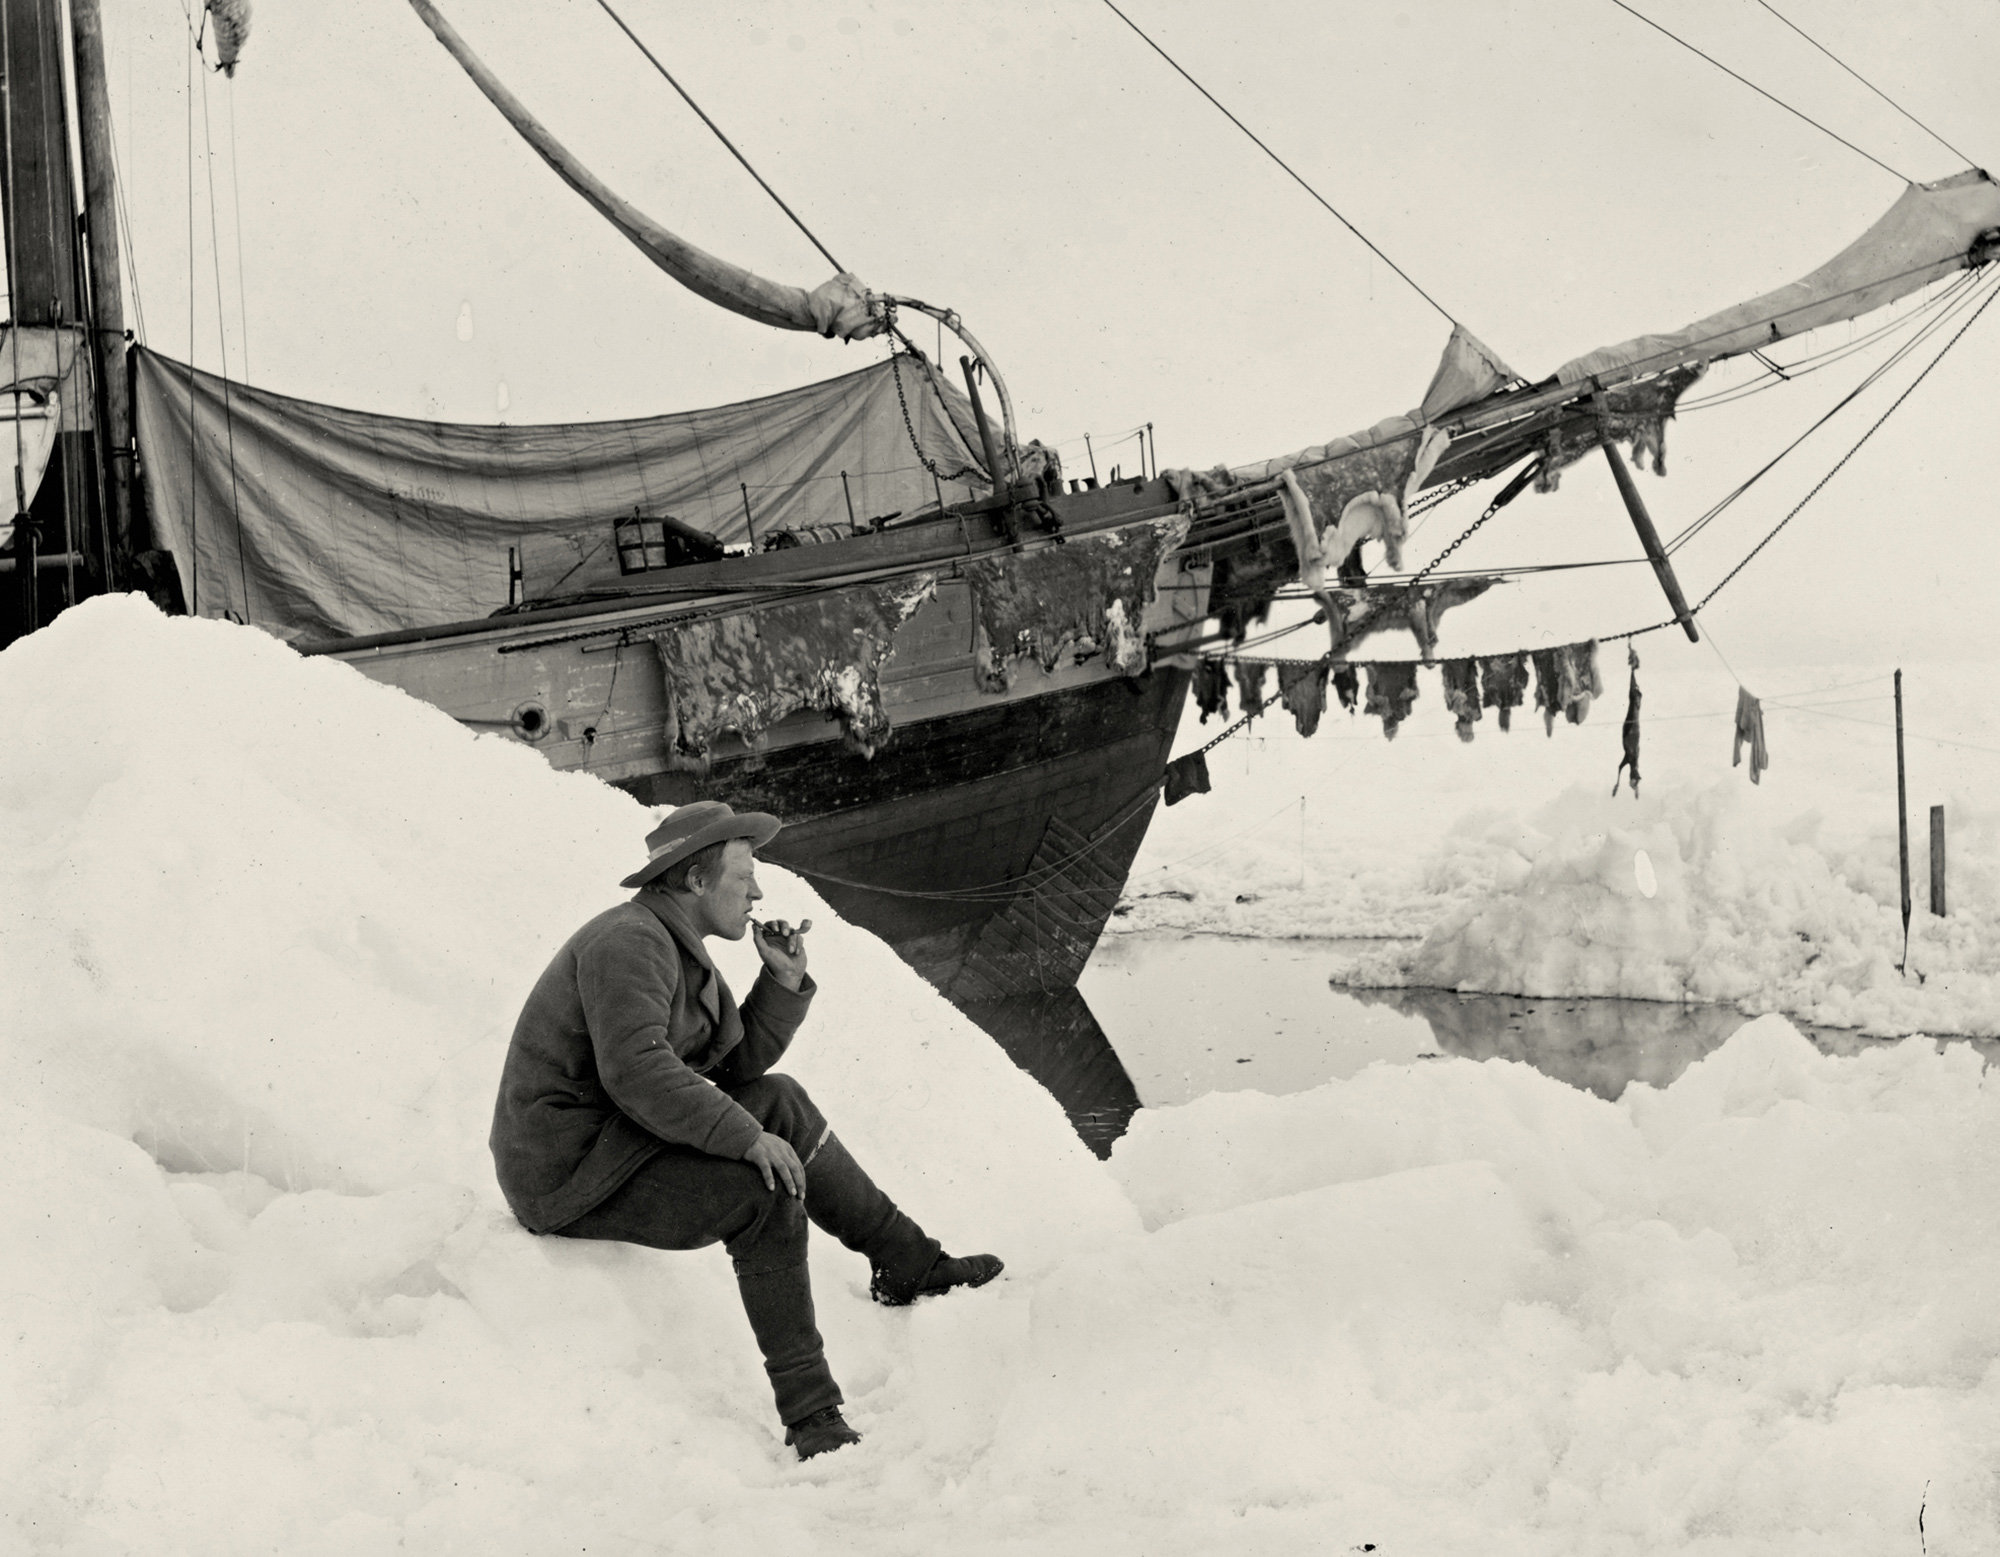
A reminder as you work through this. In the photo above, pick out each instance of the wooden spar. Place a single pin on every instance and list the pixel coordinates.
(107, 291)
(985, 428)
(1902, 824)
(1642, 521)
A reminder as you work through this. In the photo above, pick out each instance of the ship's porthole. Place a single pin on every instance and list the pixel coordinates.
(531, 721)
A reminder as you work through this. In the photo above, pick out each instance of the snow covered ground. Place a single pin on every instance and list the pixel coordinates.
(264, 927)
(1781, 896)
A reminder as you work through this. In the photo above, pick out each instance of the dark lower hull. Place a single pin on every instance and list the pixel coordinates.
(987, 846)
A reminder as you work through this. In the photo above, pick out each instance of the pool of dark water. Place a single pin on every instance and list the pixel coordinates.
(1162, 1019)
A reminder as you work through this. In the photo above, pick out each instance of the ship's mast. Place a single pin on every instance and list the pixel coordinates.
(107, 290)
(76, 536)
(41, 286)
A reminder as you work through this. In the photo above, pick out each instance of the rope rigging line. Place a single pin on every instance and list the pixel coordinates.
(1933, 134)
(128, 253)
(1776, 373)
(1700, 524)
(1883, 724)
(726, 141)
(1634, 373)
(236, 221)
(222, 345)
(76, 531)
(1761, 92)
(1295, 177)
(1873, 429)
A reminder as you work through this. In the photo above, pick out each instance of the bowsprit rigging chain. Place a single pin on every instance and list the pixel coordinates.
(903, 400)
(1507, 494)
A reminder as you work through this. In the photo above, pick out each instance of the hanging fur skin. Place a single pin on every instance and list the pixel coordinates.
(1356, 614)
(232, 27)
(1461, 694)
(1631, 731)
(1503, 679)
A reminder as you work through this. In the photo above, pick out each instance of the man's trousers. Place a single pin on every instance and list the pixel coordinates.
(685, 1199)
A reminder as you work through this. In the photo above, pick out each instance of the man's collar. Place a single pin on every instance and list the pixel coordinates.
(671, 914)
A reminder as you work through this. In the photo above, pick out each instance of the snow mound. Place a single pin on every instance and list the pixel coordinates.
(1693, 894)
(1740, 1313)
(265, 926)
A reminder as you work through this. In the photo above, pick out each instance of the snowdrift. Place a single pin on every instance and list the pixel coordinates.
(264, 927)
(1776, 897)
(1726, 906)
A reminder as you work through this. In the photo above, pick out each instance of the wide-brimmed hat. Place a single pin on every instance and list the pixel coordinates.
(691, 828)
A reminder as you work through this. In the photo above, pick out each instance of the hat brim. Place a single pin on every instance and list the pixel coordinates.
(760, 827)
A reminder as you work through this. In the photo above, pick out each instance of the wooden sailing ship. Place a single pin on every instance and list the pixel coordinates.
(953, 671)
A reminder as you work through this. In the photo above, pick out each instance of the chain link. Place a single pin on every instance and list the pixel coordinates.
(1507, 495)
(1432, 566)
(903, 400)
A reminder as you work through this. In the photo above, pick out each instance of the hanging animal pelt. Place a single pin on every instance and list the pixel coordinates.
(1631, 732)
(232, 26)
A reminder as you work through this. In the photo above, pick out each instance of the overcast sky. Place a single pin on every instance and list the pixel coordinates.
(1557, 175)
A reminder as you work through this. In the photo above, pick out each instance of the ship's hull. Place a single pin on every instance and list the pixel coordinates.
(989, 837)
(987, 845)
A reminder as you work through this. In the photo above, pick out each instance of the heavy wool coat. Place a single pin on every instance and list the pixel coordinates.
(624, 1047)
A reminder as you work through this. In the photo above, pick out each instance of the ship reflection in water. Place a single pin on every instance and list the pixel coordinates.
(1598, 1045)
(1162, 1019)
(1056, 1039)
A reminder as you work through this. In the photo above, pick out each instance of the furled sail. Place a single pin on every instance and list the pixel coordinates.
(1931, 231)
(841, 307)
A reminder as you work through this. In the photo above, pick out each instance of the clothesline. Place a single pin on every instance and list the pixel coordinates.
(1565, 682)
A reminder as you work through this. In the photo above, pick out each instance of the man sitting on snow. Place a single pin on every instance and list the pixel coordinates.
(638, 1103)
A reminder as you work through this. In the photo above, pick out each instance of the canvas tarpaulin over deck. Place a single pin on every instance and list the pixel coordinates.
(316, 522)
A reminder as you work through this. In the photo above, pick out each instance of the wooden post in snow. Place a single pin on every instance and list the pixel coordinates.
(1937, 861)
(1902, 824)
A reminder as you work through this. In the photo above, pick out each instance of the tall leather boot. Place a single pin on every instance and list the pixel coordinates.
(843, 1200)
(780, 1308)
